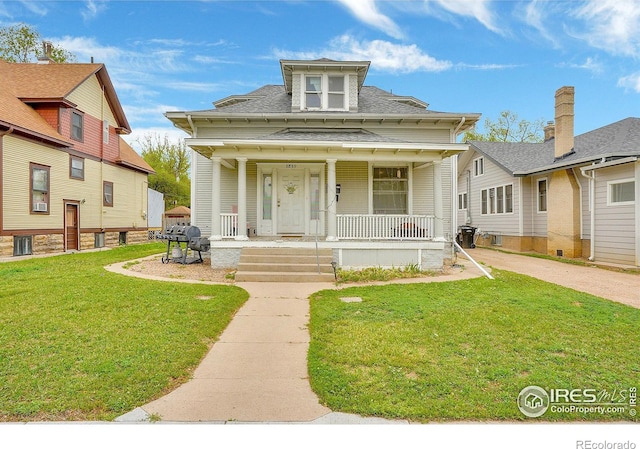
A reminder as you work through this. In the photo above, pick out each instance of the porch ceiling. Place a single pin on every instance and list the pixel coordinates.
(285, 150)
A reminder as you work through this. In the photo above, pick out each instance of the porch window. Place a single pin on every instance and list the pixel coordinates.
(266, 196)
(39, 188)
(390, 190)
(315, 195)
(622, 192)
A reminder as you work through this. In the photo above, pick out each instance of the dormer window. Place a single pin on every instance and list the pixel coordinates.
(325, 92)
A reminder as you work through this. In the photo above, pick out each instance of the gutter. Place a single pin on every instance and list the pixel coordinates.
(602, 164)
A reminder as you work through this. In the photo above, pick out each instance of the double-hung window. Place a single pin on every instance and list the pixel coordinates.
(76, 167)
(40, 188)
(497, 200)
(542, 195)
(77, 126)
(107, 194)
(390, 190)
(462, 201)
(478, 166)
(325, 92)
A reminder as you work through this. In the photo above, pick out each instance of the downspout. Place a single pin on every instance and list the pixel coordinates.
(455, 131)
(592, 204)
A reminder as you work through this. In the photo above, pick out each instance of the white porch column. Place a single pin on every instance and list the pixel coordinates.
(216, 232)
(438, 201)
(331, 201)
(242, 198)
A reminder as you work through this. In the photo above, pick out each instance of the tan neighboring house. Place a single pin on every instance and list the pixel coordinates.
(68, 181)
(366, 172)
(570, 196)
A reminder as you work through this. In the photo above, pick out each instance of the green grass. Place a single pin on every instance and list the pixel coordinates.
(463, 350)
(80, 343)
(372, 274)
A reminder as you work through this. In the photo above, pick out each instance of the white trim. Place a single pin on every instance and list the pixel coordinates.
(324, 91)
(637, 213)
(610, 201)
(475, 163)
(537, 195)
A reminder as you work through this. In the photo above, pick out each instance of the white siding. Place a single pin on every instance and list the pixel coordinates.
(354, 183)
(201, 193)
(615, 227)
(494, 176)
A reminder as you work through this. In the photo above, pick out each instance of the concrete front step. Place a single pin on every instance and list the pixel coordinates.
(285, 259)
(261, 276)
(285, 265)
(289, 267)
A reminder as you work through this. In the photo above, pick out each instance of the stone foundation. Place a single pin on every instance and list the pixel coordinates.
(54, 243)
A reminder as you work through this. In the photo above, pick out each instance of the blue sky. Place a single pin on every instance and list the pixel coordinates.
(481, 56)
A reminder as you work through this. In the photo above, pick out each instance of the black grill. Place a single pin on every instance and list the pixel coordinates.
(190, 236)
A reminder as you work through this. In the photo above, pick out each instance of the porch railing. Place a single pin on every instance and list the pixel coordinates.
(385, 227)
(362, 227)
(229, 225)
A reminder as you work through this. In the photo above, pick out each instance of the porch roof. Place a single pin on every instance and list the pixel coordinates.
(320, 144)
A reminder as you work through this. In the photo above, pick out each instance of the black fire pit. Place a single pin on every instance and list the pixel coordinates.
(190, 236)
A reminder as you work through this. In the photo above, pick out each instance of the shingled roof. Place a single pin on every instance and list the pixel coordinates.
(274, 99)
(619, 139)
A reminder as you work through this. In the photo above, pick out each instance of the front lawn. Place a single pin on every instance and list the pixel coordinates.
(464, 350)
(80, 343)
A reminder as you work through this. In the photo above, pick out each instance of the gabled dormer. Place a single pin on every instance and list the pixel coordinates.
(324, 84)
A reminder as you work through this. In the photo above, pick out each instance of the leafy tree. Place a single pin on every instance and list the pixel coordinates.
(507, 128)
(171, 162)
(22, 43)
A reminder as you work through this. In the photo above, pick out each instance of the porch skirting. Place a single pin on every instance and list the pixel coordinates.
(427, 255)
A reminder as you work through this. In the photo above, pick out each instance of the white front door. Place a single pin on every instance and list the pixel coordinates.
(291, 216)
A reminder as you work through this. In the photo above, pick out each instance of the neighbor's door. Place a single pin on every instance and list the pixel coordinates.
(291, 202)
(72, 226)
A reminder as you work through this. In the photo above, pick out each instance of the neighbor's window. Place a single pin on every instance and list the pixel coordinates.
(542, 195)
(390, 190)
(77, 126)
(98, 241)
(22, 245)
(76, 167)
(478, 166)
(107, 194)
(497, 200)
(622, 192)
(39, 188)
(462, 201)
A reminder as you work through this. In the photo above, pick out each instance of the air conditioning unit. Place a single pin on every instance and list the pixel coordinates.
(40, 207)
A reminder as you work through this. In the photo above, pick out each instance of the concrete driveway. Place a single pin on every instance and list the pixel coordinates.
(616, 286)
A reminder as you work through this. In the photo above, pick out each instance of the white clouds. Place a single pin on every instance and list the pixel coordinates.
(368, 12)
(612, 25)
(630, 82)
(476, 9)
(93, 8)
(384, 55)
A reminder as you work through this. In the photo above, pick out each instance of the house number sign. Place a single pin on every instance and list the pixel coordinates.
(291, 166)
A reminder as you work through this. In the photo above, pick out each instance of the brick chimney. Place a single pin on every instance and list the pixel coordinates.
(565, 99)
(549, 131)
(563, 194)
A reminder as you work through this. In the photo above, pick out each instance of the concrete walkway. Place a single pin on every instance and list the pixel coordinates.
(257, 370)
(612, 285)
